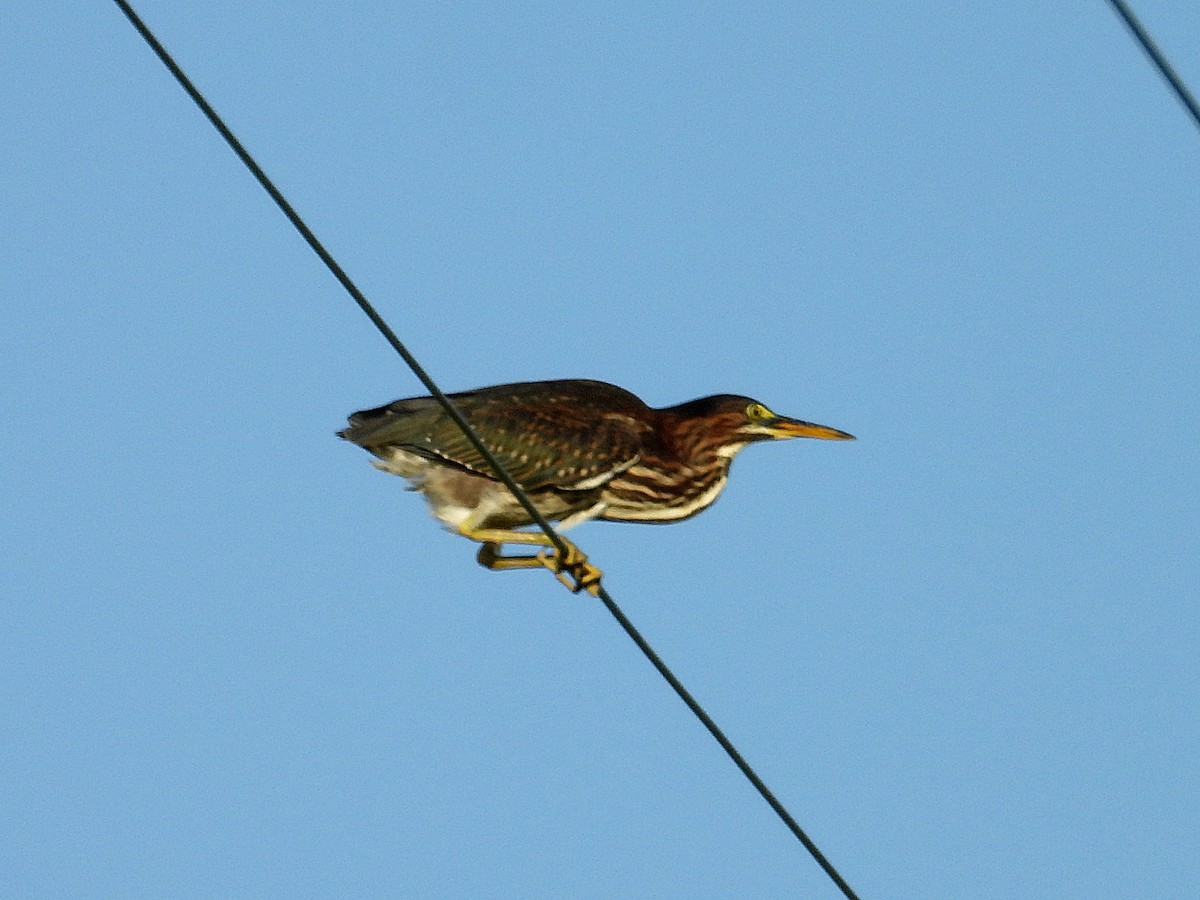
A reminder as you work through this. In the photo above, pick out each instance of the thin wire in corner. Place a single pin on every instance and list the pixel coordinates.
(1158, 58)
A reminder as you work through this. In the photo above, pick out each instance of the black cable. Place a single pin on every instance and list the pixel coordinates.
(1156, 55)
(339, 273)
(727, 746)
(477, 443)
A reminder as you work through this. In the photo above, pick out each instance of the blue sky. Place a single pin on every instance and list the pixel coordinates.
(237, 661)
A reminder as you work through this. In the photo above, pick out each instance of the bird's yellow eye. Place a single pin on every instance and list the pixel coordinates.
(756, 411)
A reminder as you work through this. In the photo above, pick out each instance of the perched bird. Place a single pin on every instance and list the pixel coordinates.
(580, 449)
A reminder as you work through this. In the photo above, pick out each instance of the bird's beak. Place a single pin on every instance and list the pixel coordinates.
(793, 428)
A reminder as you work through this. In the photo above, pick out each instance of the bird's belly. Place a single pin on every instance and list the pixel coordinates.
(456, 496)
(494, 506)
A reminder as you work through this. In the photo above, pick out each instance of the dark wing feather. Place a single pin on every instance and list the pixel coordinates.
(567, 434)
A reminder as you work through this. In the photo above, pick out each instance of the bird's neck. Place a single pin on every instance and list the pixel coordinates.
(691, 450)
(692, 466)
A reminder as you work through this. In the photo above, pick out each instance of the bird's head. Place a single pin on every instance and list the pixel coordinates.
(726, 423)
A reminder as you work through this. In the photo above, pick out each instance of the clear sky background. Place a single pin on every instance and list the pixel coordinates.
(237, 661)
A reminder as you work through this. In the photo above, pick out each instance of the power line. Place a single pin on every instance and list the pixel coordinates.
(1157, 57)
(365, 305)
(338, 272)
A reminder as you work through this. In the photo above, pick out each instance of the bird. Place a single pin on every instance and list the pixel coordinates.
(580, 449)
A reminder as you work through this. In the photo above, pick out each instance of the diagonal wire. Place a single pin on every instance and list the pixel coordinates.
(365, 305)
(338, 272)
(1156, 55)
(726, 745)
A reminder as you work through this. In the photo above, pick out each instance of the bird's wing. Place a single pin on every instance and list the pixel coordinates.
(574, 445)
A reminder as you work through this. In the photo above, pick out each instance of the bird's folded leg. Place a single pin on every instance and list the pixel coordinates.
(572, 569)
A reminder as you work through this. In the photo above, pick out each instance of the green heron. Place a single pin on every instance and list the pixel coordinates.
(580, 449)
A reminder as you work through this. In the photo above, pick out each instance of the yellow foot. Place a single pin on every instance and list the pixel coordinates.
(573, 569)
